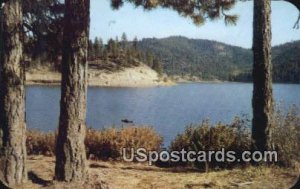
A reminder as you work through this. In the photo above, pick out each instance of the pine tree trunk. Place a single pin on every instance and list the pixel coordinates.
(12, 97)
(70, 149)
(262, 101)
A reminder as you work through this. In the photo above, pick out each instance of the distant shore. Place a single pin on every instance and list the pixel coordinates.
(135, 77)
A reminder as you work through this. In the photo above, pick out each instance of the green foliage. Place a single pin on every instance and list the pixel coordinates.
(135, 43)
(286, 61)
(231, 20)
(124, 41)
(128, 57)
(43, 28)
(286, 65)
(213, 60)
(97, 47)
(157, 66)
(198, 10)
(91, 51)
(149, 59)
(203, 58)
(116, 55)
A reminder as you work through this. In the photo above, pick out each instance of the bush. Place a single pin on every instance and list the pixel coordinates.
(39, 143)
(206, 137)
(109, 142)
(105, 144)
(237, 137)
(286, 137)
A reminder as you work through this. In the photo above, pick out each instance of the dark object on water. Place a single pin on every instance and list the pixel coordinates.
(297, 185)
(126, 121)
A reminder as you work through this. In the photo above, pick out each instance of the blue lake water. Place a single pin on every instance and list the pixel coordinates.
(168, 109)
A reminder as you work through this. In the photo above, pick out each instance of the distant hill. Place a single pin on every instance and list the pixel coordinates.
(202, 58)
(214, 60)
(286, 59)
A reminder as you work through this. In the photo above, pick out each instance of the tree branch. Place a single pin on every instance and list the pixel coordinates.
(297, 24)
(296, 3)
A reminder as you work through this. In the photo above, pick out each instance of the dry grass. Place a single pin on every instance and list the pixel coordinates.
(39, 143)
(119, 175)
(237, 137)
(205, 137)
(286, 136)
(100, 144)
(108, 143)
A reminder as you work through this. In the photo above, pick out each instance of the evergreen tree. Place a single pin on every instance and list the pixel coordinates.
(157, 66)
(110, 46)
(91, 50)
(262, 76)
(12, 97)
(42, 29)
(128, 58)
(149, 59)
(71, 164)
(135, 43)
(124, 41)
(262, 102)
(98, 47)
(198, 10)
(116, 48)
(105, 56)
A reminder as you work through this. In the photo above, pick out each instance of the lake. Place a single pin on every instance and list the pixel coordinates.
(168, 109)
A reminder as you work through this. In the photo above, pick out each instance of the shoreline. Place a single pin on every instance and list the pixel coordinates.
(167, 84)
(136, 77)
(57, 84)
(137, 85)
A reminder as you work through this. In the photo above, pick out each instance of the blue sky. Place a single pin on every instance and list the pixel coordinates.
(107, 23)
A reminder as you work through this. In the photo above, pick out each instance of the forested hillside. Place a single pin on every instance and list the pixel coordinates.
(114, 56)
(286, 60)
(180, 56)
(213, 60)
(202, 58)
(286, 65)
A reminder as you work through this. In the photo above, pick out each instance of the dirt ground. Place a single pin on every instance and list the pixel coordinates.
(116, 175)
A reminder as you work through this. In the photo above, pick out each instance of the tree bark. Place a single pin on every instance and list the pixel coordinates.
(262, 101)
(70, 149)
(12, 97)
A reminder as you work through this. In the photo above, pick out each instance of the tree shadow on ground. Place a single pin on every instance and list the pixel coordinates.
(37, 180)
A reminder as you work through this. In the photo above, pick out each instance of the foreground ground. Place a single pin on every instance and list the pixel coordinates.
(137, 176)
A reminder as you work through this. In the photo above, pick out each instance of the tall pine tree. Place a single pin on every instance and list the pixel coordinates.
(71, 164)
(12, 96)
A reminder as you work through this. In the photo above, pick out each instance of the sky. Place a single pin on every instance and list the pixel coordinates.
(159, 23)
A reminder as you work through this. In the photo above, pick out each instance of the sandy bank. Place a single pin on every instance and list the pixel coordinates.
(141, 76)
